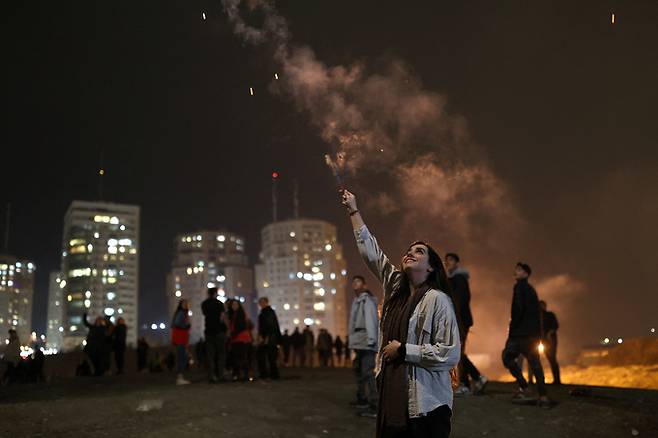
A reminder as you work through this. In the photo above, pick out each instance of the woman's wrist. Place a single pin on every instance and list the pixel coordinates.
(352, 212)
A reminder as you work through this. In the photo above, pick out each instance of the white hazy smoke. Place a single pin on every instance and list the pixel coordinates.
(429, 173)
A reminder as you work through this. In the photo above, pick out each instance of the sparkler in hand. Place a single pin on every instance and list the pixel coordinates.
(336, 167)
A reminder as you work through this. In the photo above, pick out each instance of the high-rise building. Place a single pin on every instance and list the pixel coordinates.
(16, 292)
(54, 327)
(302, 273)
(206, 259)
(100, 267)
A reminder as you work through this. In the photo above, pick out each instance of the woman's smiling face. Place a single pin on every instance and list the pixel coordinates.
(416, 258)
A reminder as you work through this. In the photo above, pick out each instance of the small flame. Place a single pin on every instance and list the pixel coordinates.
(612, 18)
(540, 348)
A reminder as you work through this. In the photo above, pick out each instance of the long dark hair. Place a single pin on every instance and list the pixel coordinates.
(437, 279)
(179, 308)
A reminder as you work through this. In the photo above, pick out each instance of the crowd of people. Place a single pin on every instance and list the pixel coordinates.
(103, 338)
(21, 368)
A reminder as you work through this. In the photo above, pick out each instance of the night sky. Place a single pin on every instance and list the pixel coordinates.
(561, 103)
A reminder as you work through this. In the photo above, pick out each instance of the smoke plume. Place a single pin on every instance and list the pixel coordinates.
(420, 164)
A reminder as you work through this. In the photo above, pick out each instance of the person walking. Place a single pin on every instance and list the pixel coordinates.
(461, 292)
(215, 336)
(96, 344)
(180, 337)
(363, 335)
(550, 326)
(524, 337)
(119, 335)
(239, 341)
(309, 346)
(419, 336)
(269, 337)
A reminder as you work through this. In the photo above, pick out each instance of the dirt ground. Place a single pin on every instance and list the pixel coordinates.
(304, 404)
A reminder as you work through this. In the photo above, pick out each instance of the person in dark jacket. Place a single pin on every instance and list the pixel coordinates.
(285, 345)
(95, 344)
(269, 336)
(325, 347)
(550, 326)
(142, 353)
(239, 341)
(309, 346)
(524, 336)
(297, 341)
(458, 278)
(338, 345)
(119, 344)
(215, 336)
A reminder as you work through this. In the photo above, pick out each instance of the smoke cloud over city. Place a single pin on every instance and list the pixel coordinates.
(413, 166)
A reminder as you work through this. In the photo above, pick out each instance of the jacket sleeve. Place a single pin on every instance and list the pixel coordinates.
(371, 322)
(517, 307)
(444, 353)
(374, 257)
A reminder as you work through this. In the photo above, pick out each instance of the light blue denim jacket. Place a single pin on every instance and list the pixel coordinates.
(364, 324)
(433, 345)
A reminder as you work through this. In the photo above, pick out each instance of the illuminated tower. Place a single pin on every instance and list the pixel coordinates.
(100, 267)
(16, 292)
(302, 272)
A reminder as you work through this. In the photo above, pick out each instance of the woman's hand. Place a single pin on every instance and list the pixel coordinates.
(391, 350)
(349, 201)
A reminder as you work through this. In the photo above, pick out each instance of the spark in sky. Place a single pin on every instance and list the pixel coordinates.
(203, 15)
(612, 18)
(251, 91)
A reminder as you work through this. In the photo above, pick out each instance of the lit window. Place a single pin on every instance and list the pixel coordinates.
(295, 321)
(162, 326)
(292, 234)
(114, 220)
(112, 242)
(315, 269)
(87, 304)
(88, 294)
(318, 307)
(343, 272)
(111, 296)
(125, 242)
(109, 311)
(178, 293)
(308, 321)
(122, 228)
(97, 235)
(286, 306)
(154, 326)
(327, 247)
(332, 276)
(210, 284)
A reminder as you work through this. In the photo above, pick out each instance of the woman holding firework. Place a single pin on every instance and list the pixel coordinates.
(419, 337)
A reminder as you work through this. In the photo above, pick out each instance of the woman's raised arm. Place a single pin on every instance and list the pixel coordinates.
(368, 247)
